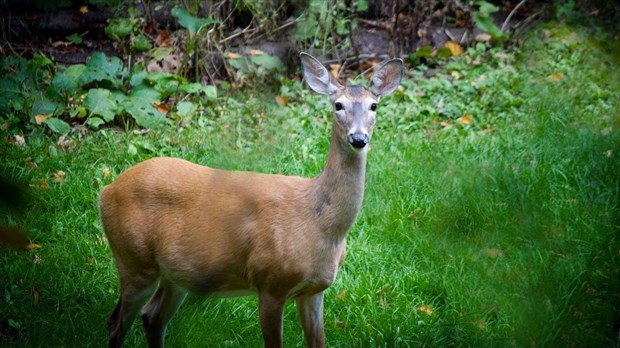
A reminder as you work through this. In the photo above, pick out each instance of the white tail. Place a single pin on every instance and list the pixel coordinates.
(175, 227)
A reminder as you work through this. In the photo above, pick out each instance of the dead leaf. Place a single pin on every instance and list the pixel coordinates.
(339, 324)
(83, 9)
(163, 38)
(5, 126)
(465, 119)
(454, 48)
(161, 107)
(483, 37)
(385, 288)
(40, 118)
(282, 100)
(106, 172)
(231, 55)
(425, 309)
(414, 213)
(59, 176)
(341, 295)
(20, 141)
(37, 296)
(556, 77)
(30, 164)
(33, 246)
(445, 124)
(140, 131)
(64, 142)
(334, 69)
(256, 52)
(41, 184)
(493, 252)
(480, 324)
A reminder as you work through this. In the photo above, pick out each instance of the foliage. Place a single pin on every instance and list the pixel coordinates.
(324, 23)
(189, 22)
(92, 94)
(128, 31)
(484, 20)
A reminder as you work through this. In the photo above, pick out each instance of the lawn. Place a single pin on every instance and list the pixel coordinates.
(490, 215)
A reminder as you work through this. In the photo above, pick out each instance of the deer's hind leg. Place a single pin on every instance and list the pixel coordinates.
(159, 310)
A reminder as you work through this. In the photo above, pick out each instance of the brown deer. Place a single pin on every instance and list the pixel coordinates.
(176, 227)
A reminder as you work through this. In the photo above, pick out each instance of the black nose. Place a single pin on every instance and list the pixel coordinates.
(358, 140)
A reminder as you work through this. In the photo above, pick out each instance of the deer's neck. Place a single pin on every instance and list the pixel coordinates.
(338, 191)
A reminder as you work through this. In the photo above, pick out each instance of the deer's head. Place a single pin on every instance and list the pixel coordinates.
(354, 106)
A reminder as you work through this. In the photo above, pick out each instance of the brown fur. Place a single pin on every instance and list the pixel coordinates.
(210, 231)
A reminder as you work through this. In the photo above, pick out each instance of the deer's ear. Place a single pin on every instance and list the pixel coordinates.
(387, 78)
(317, 76)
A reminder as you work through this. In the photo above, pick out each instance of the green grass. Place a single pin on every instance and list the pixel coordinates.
(499, 232)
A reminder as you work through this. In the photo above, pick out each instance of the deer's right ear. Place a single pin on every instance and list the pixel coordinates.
(317, 76)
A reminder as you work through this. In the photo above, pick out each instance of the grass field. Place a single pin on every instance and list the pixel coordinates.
(490, 216)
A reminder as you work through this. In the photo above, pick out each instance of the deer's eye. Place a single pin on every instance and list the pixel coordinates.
(338, 106)
(373, 106)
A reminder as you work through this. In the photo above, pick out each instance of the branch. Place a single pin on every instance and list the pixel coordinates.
(514, 10)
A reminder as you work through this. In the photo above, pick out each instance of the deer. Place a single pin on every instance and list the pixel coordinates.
(175, 227)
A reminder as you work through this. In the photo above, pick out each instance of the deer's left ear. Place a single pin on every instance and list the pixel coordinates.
(387, 78)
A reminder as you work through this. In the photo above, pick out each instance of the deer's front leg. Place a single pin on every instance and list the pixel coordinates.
(310, 310)
(270, 308)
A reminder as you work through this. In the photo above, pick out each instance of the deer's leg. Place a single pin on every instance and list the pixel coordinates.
(270, 308)
(160, 309)
(133, 296)
(310, 309)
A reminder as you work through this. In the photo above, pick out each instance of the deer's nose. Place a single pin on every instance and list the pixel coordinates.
(358, 140)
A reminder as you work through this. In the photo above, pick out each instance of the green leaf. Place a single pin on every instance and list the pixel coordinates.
(100, 102)
(443, 52)
(209, 91)
(44, 106)
(57, 125)
(39, 61)
(10, 91)
(422, 52)
(156, 77)
(486, 24)
(69, 80)
(95, 122)
(165, 83)
(362, 5)
(486, 9)
(341, 26)
(189, 22)
(119, 28)
(268, 62)
(138, 74)
(186, 109)
(160, 53)
(306, 28)
(75, 38)
(240, 64)
(102, 68)
(140, 43)
(138, 105)
(15, 324)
